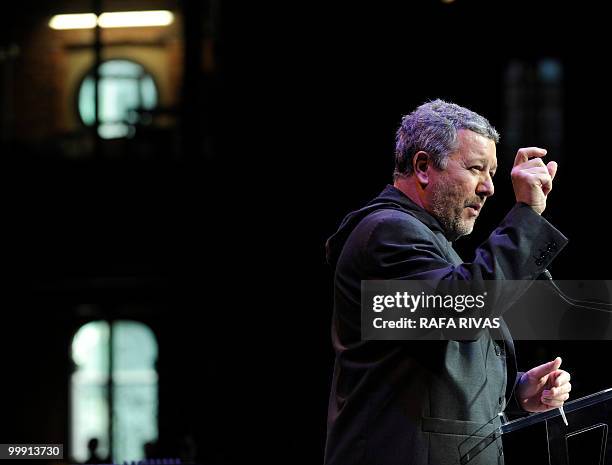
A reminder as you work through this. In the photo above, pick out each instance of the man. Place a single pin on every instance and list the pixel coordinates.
(403, 402)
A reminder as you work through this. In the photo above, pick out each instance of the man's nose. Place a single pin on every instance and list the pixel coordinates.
(485, 187)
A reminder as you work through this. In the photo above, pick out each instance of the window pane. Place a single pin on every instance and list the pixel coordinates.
(149, 92)
(134, 390)
(120, 68)
(86, 101)
(89, 386)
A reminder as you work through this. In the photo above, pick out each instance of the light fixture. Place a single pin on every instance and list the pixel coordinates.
(82, 21)
(135, 18)
(114, 19)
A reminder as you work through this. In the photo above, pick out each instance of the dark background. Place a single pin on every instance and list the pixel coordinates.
(216, 241)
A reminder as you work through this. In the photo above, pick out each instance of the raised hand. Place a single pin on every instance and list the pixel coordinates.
(531, 178)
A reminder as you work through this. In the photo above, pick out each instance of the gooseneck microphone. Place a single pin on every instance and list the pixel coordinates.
(575, 302)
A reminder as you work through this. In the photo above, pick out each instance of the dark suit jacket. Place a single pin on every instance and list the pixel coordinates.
(406, 402)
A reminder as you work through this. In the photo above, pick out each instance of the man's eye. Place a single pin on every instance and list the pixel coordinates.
(477, 168)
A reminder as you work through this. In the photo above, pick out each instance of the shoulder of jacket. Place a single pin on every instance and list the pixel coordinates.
(396, 219)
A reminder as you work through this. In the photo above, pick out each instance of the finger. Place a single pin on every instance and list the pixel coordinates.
(541, 170)
(559, 398)
(546, 184)
(551, 402)
(545, 368)
(526, 153)
(534, 162)
(552, 168)
(555, 402)
(563, 377)
(556, 392)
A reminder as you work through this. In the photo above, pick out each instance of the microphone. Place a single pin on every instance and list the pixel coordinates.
(574, 302)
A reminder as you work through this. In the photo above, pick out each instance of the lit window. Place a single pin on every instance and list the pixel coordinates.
(124, 87)
(133, 380)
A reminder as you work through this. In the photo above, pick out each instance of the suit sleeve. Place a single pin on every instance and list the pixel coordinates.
(519, 249)
(513, 406)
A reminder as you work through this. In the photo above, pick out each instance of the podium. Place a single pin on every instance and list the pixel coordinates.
(543, 438)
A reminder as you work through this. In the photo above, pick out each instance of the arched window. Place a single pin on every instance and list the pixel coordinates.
(114, 372)
(124, 86)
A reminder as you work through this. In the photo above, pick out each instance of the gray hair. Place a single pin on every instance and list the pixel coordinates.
(433, 128)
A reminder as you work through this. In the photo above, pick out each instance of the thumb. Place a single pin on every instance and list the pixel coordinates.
(546, 368)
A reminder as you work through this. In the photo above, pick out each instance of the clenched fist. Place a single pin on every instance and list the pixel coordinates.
(531, 178)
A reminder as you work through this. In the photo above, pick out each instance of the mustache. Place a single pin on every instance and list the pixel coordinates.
(475, 201)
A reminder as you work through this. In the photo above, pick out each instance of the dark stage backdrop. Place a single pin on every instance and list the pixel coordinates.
(223, 257)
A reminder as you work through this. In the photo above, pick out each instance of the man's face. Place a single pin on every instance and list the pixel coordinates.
(457, 194)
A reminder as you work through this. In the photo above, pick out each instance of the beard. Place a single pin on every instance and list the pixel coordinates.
(448, 203)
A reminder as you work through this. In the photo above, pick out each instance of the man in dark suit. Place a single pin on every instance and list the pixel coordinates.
(405, 402)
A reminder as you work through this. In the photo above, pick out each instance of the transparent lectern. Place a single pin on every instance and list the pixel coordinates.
(543, 438)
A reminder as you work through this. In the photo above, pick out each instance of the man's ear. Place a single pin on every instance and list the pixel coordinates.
(420, 164)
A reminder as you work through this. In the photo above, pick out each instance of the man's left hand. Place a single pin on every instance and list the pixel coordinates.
(544, 387)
